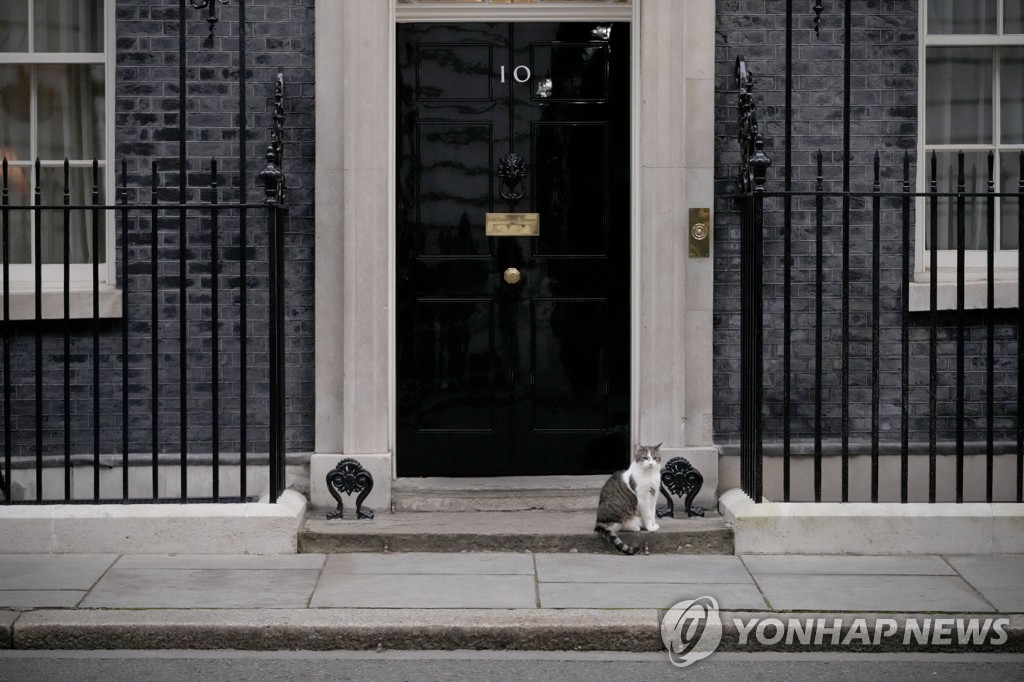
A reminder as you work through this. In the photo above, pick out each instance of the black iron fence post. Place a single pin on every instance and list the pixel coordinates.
(753, 341)
(1020, 328)
(273, 181)
(754, 165)
(5, 201)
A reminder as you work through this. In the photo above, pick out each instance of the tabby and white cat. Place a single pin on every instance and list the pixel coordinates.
(629, 498)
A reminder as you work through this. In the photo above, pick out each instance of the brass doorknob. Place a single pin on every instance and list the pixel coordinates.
(512, 276)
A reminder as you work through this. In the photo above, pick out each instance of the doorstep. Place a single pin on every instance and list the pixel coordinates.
(499, 493)
(530, 530)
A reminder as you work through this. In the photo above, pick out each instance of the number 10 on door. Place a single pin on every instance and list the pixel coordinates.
(521, 73)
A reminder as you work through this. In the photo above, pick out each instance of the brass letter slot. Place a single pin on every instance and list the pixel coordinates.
(512, 224)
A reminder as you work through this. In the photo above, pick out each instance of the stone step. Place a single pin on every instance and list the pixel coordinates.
(507, 493)
(530, 530)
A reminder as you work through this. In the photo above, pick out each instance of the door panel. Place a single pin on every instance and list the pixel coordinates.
(571, 187)
(454, 186)
(533, 377)
(569, 346)
(454, 365)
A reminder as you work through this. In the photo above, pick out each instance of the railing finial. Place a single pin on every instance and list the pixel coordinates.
(754, 163)
(272, 174)
(211, 18)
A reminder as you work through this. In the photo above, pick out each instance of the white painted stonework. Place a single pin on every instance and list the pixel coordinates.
(884, 528)
(251, 528)
(673, 171)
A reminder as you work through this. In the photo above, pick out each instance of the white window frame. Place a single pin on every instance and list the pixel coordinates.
(22, 276)
(975, 261)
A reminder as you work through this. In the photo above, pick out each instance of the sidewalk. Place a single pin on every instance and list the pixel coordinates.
(477, 600)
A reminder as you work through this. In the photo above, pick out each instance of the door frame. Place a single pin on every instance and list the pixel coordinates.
(673, 161)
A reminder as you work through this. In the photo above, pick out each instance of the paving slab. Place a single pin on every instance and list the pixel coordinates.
(999, 578)
(663, 568)
(640, 595)
(791, 564)
(427, 591)
(426, 563)
(40, 599)
(1007, 600)
(52, 571)
(202, 588)
(993, 570)
(226, 561)
(871, 593)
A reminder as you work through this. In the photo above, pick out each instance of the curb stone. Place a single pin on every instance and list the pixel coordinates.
(327, 629)
(7, 619)
(439, 629)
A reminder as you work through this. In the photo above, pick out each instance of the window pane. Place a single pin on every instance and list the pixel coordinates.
(19, 187)
(70, 107)
(1011, 77)
(958, 16)
(52, 223)
(14, 26)
(1013, 17)
(975, 180)
(14, 112)
(959, 92)
(68, 26)
(1009, 172)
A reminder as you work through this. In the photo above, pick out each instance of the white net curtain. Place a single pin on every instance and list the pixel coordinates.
(52, 109)
(974, 101)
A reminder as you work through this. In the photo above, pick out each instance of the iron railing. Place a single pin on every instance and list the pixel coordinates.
(949, 407)
(192, 274)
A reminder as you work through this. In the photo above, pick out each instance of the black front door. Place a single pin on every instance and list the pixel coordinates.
(497, 376)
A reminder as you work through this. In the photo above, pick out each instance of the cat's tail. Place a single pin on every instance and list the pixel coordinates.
(614, 540)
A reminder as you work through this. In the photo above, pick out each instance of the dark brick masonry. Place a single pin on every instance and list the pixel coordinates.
(280, 37)
(884, 102)
(884, 118)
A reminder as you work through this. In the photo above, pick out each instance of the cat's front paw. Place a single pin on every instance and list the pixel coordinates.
(653, 527)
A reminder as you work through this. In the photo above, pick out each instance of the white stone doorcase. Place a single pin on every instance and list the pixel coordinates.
(673, 172)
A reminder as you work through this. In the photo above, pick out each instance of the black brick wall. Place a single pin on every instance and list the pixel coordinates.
(883, 118)
(280, 37)
(884, 99)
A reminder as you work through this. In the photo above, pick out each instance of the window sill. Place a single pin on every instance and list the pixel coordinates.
(975, 290)
(23, 304)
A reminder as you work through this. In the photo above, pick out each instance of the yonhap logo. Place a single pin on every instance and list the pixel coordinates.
(691, 630)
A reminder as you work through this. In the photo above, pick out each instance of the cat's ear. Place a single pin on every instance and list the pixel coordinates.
(658, 446)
